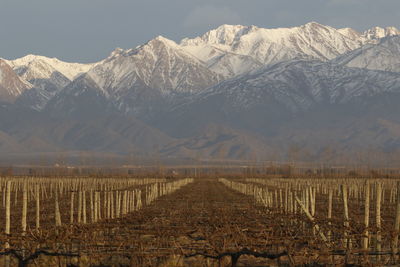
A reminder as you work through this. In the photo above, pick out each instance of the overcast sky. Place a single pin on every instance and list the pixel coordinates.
(88, 30)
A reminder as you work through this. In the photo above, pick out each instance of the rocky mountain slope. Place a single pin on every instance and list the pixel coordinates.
(11, 85)
(385, 56)
(267, 98)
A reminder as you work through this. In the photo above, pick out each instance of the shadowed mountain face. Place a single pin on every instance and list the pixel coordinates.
(265, 99)
(383, 56)
(311, 92)
(11, 85)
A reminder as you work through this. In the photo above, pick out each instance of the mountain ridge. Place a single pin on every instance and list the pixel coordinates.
(235, 92)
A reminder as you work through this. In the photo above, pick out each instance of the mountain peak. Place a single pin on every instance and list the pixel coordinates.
(313, 24)
(350, 32)
(223, 35)
(116, 52)
(163, 40)
(31, 57)
(232, 28)
(39, 67)
(376, 33)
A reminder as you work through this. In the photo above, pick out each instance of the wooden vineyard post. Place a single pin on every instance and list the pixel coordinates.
(107, 204)
(124, 202)
(79, 206)
(4, 197)
(16, 196)
(8, 220)
(307, 200)
(138, 195)
(366, 216)
(286, 199)
(91, 207)
(99, 213)
(347, 240)
(312, 204)
(95, 209)
(112, 204)
(104, 212)
(24, 207)
(71, 218)
(8, 208)
(37, 189)
(323, 237)
(57, 215)
(396, 226)
(378, 219)
(330, 200)
(312, 200)
(117, 205)
(84, 207)
(106, 207)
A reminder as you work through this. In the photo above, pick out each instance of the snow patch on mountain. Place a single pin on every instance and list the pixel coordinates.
(269, 46)
(47, 75)
(300, 85)
(385, 56)
(377, 33)
(36, 67)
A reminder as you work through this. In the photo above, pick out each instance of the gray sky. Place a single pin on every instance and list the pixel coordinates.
(88, 30)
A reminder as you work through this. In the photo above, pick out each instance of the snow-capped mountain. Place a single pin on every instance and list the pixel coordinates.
(160, 64)
(141, 80)
(161, 68)
(377, 33)
(47, 75)
(248, 46)
(234, 92)
(11, 86)
(33, 67)
(385, 56)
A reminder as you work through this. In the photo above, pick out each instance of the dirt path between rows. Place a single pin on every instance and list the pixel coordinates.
(205, 218)
(202, 224)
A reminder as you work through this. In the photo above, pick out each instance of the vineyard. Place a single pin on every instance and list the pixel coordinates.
(121, 221)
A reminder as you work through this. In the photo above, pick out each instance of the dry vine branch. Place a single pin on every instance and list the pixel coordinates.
(23, 262)
(236, 255)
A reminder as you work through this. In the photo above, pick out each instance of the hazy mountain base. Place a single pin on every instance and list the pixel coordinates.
(337, 134)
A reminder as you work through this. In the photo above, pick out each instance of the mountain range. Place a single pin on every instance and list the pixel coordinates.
(237, 92)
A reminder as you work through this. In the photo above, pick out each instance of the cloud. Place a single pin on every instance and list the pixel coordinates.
(208, 16)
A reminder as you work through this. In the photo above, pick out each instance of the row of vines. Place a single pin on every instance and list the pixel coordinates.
(356, 219)
(54, 216)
